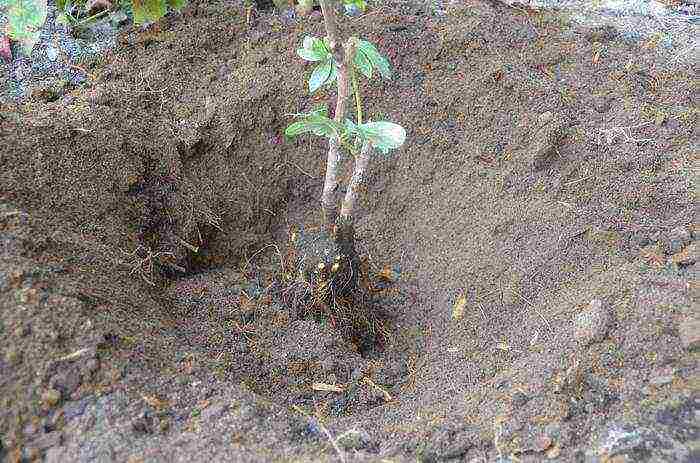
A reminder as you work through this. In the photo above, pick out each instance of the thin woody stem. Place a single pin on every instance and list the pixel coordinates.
(329, 197)
(328, 10)
(358, 97)
(361, 163)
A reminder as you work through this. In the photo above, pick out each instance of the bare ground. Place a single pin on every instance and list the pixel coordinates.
(540, 228)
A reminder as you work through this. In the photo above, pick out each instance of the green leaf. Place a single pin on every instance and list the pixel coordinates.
(360, 4)
(316, 124)
(61, 18)
(308, 55)
(307, 51)
(320, 75)
(334, 74)
(308, 42)
(148, 10)
(25, 20)
(313, 49)
(363, 64)
(321, 110)
(383, 135)
(378, 61)
(177, 4)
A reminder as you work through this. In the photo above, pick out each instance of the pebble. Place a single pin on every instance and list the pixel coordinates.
(592, 324)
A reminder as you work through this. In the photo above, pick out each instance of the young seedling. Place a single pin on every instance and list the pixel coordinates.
(339, 64)
(340, 69)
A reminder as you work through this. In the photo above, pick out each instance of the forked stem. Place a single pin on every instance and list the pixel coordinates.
(361, 163)
(329, 197)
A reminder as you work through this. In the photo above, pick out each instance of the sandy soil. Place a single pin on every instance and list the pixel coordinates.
(530, 256)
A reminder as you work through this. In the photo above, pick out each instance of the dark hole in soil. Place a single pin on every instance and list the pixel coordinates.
(264, 4)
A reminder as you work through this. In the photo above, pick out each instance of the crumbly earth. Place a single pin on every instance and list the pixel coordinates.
(530, 254)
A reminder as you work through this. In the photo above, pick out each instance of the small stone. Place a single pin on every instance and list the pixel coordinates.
(50, 398)
(676, 240)
(689, 330)
(592, 324)
(353, 440)
(163, 425)
(546, 140)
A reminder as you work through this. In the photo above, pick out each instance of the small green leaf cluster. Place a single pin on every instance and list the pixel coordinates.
(382, 135)
(25, 18)
(318, 50)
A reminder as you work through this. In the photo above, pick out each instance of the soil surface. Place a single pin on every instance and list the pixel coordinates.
(529, 255)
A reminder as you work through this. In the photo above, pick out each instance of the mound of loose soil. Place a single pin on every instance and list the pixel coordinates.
(539, 227)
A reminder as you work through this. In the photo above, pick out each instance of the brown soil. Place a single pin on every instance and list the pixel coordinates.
(519, 191)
